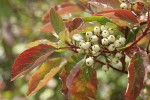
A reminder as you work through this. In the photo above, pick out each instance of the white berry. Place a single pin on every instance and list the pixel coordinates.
(105, 33)
(111, 38)
(118, 55)
(89, 61)
(117, 43)
(105, 68)
(81, 43)
(111, 31)
(94, 38)
(122, 40)
(115, 61)
(95, 48)
(123, 6)
(104, 27)
(97, 30)
(105, 41)
(86, 45)
(89, 34)
(111, 47)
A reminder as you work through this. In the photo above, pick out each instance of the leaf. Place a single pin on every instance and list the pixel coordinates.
(115, 28)
(56, 21)
(66, 71)
(65, 8)
(42, 41)
(102, 20)
(84, 85)
(136, 76)
(47, 28)
(48, 70)
(88, 26)
(72, 25)
(64, 35)
(124, 15)
(112, 3)
(29, 59)
(73, 73)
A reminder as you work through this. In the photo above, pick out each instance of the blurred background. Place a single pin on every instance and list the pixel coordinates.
(20, 23)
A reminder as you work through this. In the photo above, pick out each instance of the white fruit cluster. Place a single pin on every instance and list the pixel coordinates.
(123, 5)
(101, 39)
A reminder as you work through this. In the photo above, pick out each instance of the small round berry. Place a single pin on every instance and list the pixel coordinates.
(88, 51)
(111, 31)
(89, 34)
(118, 55)
(105, 68)
(77, 37)
(105, 41)
(86, 45)
(105, 33)
(123, 6)
(94, 38)
(89, 61)
(115, 61)
(104, 27)
(95, 53)
(95, 48)
(97, 30)
(81, 43)
(111, 38)
(122, 40)
(117, 44)
(111, 47)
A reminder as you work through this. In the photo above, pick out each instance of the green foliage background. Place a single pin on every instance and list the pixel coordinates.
(20, 22)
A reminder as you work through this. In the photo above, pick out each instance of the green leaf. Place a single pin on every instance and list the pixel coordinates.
(84, 85)
(88, 26)
(136, 71)
(102, 20)
(64, 35)
(115, 28)
(56, 21)
(44, 74)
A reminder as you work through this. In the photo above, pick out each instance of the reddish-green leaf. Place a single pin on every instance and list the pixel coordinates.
(72, 25)
(112, 3)
(56, 21)
(84, 85)
(66, 71)
(63, 9)
(125, 15)
(30, 58)
(47, 28)
(89, 26)
(42, 41)
(136, 71)
(44, 74)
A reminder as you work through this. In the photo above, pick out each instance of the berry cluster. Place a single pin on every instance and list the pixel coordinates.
(100, 41)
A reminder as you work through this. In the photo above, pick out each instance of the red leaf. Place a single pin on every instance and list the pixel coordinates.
(73, 73)
(47, 28)
(84, 85)
(29, 59)
(63, 9)
(125, 15)
(112, 3)
(66, 71)
(136, 76)
(72, 25)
